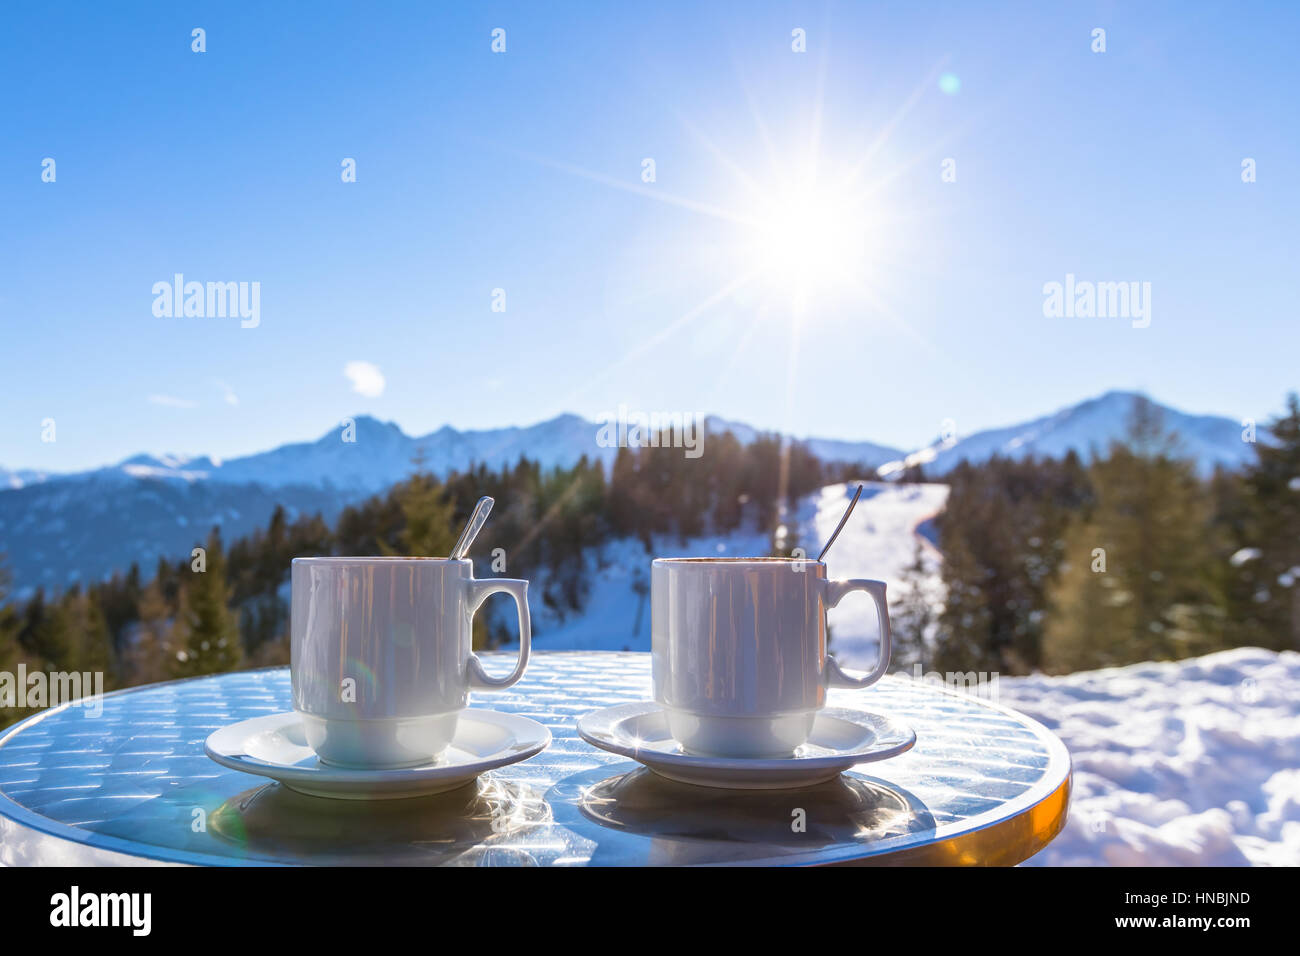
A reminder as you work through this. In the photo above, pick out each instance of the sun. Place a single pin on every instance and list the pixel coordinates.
(807, 241)
(799, 228)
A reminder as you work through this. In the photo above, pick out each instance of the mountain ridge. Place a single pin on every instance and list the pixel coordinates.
(56, 530)
(1208, 439)
(1088, 428)
(444, 449)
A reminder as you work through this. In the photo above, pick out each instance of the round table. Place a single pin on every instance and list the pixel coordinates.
(984, 785)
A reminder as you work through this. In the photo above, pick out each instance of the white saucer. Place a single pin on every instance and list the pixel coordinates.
(276, 747)
(840, 738)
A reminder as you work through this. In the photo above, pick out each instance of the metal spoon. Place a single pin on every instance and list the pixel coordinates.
(840, 527)
(476, 521)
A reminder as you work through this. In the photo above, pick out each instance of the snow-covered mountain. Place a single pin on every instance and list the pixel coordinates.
(17, 479)
(1087, 428)
(827, 449)
(367, 455)
(56, 529)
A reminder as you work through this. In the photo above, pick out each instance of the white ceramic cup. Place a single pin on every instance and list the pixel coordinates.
(738, 647)
(380, 655)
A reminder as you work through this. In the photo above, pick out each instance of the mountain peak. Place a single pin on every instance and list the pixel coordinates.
(1090, 427)
(371, 423)
(160, 503)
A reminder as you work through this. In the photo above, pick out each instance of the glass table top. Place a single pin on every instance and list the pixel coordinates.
(983, 785)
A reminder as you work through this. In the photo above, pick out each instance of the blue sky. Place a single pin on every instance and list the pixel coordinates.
(523, 171)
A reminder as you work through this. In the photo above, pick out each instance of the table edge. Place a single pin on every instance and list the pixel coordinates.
(983, 844)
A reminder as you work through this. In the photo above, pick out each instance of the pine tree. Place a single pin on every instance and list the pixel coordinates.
(428, 530)
(11, 651)
(206, 637)
(92, 642)
(53, 634)
(150, 656)
(1091, 623)
(912, 614)
(966, 640)
(118, 598)
(1001, 534)
(428, 519)
(1266, 563)
(1137, 583)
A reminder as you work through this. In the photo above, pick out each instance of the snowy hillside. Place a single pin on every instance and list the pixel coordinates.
(1193, 762)
(878, 542)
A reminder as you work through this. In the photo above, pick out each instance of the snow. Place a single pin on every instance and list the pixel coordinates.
(878, 542)
(20, 478)
(168, 471)
(1089, 426)
(610, 619)
(382, 454)
(378, 454)
(1243, 555)
(1193, 762)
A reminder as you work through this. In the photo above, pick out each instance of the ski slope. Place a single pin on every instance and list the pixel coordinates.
(878, 542)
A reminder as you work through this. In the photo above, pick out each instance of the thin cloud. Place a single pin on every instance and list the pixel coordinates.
(227, 393)
(366, 378)
(171, 401)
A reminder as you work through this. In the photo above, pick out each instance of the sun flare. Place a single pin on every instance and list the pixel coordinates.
(796, 227)
(808, 241)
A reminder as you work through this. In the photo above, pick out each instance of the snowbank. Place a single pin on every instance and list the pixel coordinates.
(1193, 762)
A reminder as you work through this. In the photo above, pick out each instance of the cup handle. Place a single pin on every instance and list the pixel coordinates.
(478, 592)
(835, 591)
